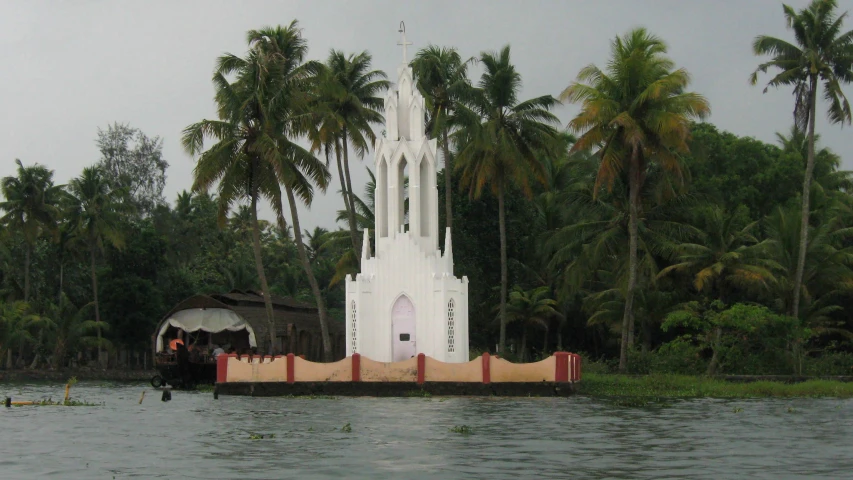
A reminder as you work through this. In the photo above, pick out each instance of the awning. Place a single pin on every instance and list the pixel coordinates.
(213, 320)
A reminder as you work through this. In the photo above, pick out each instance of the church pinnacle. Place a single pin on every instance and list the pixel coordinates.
(403, 42)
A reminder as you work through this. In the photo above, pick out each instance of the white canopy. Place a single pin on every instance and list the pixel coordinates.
(211, 320)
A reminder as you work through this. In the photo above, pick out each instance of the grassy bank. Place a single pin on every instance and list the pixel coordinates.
(683, 386)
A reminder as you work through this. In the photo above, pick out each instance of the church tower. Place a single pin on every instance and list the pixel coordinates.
(406, 299)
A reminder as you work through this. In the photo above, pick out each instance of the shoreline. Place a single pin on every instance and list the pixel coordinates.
(653, 387)
(641, 388)
(81, 374)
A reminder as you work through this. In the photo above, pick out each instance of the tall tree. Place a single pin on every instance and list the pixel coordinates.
(283, 51)
(133, 160)
(31, 207)
(822, 53)
(442, 78)
(234, 166)
(96, 214)
(499, 143)
(350, 105)
(261, 111)
(636, 113)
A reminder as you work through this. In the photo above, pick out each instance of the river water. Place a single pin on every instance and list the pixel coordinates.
(195, 436)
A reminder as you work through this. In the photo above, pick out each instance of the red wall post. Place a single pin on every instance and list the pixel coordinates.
(291, 368)
(561, 372)
(222, 367)
(356, 367)
(421, 368)
(487, 368)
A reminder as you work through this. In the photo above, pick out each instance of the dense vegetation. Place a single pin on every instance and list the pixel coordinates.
(640, 236)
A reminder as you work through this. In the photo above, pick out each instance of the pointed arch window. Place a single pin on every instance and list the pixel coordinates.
(451, 327)
(354, 332)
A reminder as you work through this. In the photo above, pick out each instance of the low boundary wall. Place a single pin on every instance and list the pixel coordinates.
(357, 375)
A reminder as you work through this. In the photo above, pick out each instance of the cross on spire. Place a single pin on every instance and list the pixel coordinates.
(403, 41)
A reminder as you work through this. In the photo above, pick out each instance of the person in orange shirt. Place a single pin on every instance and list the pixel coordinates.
(174, 343)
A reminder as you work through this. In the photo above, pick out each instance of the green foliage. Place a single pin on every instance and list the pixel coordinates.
(680, 386)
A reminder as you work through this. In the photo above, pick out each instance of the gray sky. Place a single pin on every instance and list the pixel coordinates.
(71, 67)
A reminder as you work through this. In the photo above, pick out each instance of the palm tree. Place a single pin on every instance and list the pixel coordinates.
(499, 142)
(348, 107)
(31, 208)
(823, 53)
(255, 155)
(283, 51)
(16, 323)
(728, 257)
(636, 113)
(829, 260)
(73, 329)
(235, 167)
(95, 213)
(442, 78)
(531, 308)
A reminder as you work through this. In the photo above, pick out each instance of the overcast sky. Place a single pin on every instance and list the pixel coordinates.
(73, 66)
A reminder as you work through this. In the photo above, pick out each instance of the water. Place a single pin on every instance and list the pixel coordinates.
(194, 436)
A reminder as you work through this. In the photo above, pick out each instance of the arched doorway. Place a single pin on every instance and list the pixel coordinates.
(403, 329)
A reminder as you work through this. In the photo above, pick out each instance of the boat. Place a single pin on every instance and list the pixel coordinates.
(234, 322)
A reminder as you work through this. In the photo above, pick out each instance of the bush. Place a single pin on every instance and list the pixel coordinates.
(675, 357)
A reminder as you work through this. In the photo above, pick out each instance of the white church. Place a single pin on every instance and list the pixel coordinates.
(406, 299)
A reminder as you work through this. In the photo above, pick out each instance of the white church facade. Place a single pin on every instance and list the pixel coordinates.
(406, 300)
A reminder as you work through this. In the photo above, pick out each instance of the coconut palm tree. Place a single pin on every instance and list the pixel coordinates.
(822, 53)
(533, 308)
(73, 329)
(829, 260)
(31, 207)
(728, 256)
(16, 324)
(636, 113)
(349, 106)
(499, 142)
(282, 52)
(442, 78)
(95, 213)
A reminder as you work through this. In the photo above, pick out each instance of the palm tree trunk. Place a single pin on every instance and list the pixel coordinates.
(352, 226)
(353, 233)
(61, 277)
(315, 287)
(9, 361)
(523, 352)
(95, 294)
(545, 342)
(27, 250)
(504, 280)
(807, 186)
(712, 366)
(628, 316)
(259, 264)
(448, 182)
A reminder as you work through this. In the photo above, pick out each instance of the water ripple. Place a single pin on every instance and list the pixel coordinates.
(194, 436)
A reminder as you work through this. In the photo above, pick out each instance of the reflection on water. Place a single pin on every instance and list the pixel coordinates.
(194, 436)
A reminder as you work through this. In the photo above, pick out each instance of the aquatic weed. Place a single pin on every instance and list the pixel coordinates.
(260, 436)
(346, 428)
(462, 430)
